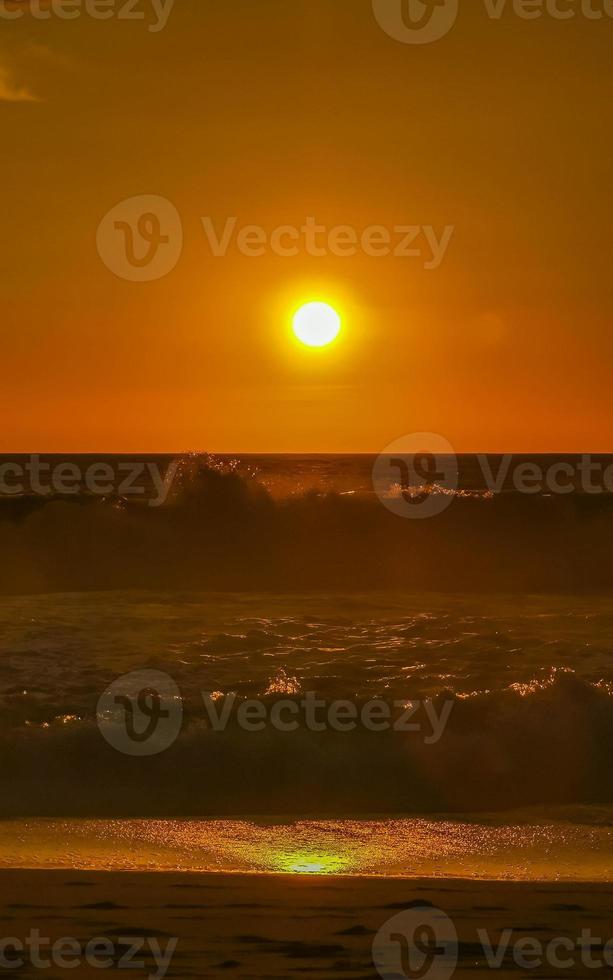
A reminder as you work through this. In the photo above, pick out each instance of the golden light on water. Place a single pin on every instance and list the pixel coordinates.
(307, 869)
(316, 324)
(413, 847)
(310, 863)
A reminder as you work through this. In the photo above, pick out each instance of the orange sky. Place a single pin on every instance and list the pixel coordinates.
(272, 112)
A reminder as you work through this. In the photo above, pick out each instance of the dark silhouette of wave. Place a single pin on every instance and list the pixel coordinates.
(549, 746)
(220, 529)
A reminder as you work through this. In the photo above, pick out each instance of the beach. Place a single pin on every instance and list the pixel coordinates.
(323, 898)
(290, 925)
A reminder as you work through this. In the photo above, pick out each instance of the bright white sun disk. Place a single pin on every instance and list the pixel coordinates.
(317, 324)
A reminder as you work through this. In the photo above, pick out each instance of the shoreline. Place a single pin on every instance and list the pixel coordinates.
(432, 882)
(404, 849)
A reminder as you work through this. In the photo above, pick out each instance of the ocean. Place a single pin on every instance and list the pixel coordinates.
(492, 703)
(332, 688)
(293, 474)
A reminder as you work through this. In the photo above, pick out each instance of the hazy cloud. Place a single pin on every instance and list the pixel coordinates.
(10, 91)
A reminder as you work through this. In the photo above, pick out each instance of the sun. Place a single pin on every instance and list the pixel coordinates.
(316, 324)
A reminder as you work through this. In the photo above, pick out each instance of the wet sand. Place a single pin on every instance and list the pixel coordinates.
(274, 926)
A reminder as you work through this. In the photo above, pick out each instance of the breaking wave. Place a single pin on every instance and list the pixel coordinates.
(548, 744)
(222, 529)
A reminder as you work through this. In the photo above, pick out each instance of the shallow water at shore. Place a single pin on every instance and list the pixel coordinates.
(517, 847)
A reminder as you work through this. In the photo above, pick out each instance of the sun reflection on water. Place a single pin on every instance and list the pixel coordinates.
(415, 847)
(309, 863)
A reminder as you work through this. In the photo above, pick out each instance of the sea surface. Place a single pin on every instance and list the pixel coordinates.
(512, 702)
(294, 474)
(59, 651)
